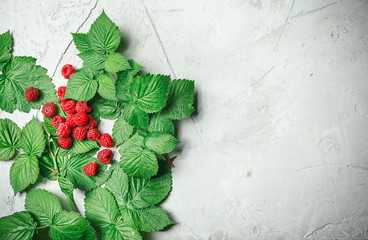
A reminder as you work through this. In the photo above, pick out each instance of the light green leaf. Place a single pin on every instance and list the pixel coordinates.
(93, 58)
(160, 143)
(121, 231)
(33, 138)
(135, 116)
(180, 102)
(134, 67)
(118, 185)
(82, 85)
(80, 147)
(135, 140)
(159, 123)
(81, 41)
(105, 108)
(121, 131)
(66, 186)
(6, 43)
(150, 92)
(43, 205)
(49, 128)
(106, 87)
(115, 62)
(18, 226)
(9, 138)
(23, 172)
(46, 166)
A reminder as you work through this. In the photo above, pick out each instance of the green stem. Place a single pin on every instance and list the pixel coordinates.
(72, 204)
(43, 227)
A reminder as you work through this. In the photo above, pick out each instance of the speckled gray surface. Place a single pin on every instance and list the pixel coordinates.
(278, 148)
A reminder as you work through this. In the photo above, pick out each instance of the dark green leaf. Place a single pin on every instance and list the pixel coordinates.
(135, 116)
(18, 226)
(6, 43)
(105, 108)
(46, 166)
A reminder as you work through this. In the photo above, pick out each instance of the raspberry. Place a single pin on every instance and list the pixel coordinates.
(65, 142)
(61, 94)
(90, 169)
(49, 110)
(63, 130)
(106, 141)
(67, 70)
(82, 107)
(32, 94)
(57, 120)
(81, 119)
(70, 120)
(93, 134)
(79, 133)
(104, 156)
(68, 106)
(92, 123)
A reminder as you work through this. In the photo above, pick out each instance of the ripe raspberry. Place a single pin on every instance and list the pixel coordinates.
(81, 119)
(92, 123)
(104, 156)
(79, 133)
(67, 70)
(63, 130)
(70, 120)
(93, 134)
(82, 107)
(57, 120)
(90, 169)
(61, 94)
(49, 110)
(32, 94)
(106, 141)
(68, 106)
(65, 142)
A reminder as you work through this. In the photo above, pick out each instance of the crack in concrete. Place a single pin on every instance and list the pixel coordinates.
(263, 76)
(312, 11)
(283, 28)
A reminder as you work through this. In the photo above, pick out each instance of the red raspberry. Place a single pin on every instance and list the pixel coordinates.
(70, 120)
(93, 134)
(61, 94)
(104, 156)
(49, 110)
(92, 123)
(67, 70)
(68, 106)
(57, 120)
(106, 141)
(90, 169)
(79, 133)
(32, 94)
(82, 107)
(63, 130)
(81, 119)
(65, 142)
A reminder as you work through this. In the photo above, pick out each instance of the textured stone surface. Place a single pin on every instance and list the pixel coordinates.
(278, 148)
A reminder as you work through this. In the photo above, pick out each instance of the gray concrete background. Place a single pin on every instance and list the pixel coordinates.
(278, 148)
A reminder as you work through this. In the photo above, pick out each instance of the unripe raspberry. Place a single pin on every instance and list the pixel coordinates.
(63, 130)
(61, 94)
(79, 133)
(106, 141)
(67, 70)
(57, 120)
(92, 123)
(32, 94)
(81, 119)
(90, 169)
(104, 156)
(68, 106)
(49, 110)
(82, 107)
(94, 134)
(65, 142)
(70, 120)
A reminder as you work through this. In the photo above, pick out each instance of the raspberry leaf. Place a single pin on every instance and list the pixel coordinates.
(93, 58)
(105, 108)
(66, 186)
(20, 225)
(115, 62)
(160, 143)
(33, 138)
(121, 231)
(118, 185)
(46, 166)
(23, 172)
(49, 128)
(82, 86)
(43, 205)
(6, 43)
(159, 123)
(81, 41)
(121, 131)
(80, 147)
(135, 116)
(106, 87)
(9, 138)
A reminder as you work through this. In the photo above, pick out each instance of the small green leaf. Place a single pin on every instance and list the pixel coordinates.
(118, 185)
(93, 58)
(160, 143)
(81, 41)
(6, 43)
(106, 87)
(159, 123)
(81, 86)
(135, 140)
(9, 138)
(134, 67)
(46, 166)
(33, 138)
(123, 85)
(121, 231)
(135, 116)
(115, 62)
(43, 205)
(49, 128)
(18, 226)
(80, 147)
(66, 186)
(23, 172)
(105, 108)
(121, 131)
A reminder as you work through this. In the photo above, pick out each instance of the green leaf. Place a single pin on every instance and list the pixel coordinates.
(43, 205)
(150, 92)
(46, 166)
(6, 43)
(106, 87)
(70, 225)
(115, 62)
(135, 116)
(180, 102)
(82, 86)
(121, 231)
(139, 162)
(81, 41)
(93, 58)
(19, 74)
(123, 85)
(121, 131)
(18, 226)
(33, 138)
(66, 186)
(105, 108)
(134, 67)
(50, 129)
(9, 138)
(118, 185)
(159, 123)
(80, 147)
(160, 143)
(23, 172)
